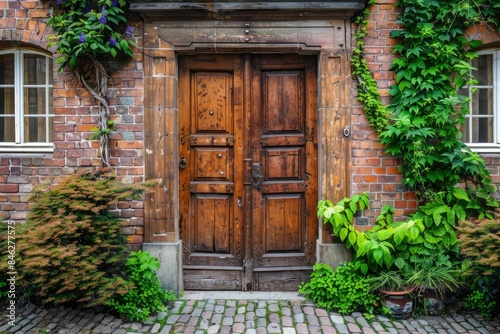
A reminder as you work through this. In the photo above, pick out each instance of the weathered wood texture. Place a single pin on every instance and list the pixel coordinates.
(161, 149)
(231, 219)
(334, 111)
(218, 10)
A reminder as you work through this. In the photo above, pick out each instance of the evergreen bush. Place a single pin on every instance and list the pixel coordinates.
(71, 248)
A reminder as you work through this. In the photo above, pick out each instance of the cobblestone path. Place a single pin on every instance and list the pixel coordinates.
(237, 316)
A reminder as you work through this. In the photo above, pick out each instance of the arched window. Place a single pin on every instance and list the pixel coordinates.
(481, 130)
(26, 112)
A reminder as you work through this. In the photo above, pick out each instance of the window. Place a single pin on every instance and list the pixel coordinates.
(482, 124)
(26, 115)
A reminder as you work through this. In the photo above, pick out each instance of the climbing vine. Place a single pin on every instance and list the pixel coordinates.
(87, 34)
(426, 109)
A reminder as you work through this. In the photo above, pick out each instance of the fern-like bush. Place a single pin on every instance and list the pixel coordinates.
(343, 289)
(71, 249)
(479, 241)
(147, 296)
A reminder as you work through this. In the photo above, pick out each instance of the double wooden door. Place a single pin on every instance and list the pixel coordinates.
(248, 170)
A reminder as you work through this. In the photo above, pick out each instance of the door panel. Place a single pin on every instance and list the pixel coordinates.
(209, 126)
(283, 143)
(241, 234)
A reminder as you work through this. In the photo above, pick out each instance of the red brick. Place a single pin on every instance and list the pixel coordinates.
(9, 188)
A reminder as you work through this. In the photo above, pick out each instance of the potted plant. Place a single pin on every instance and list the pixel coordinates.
(434, 275)
(395, 290)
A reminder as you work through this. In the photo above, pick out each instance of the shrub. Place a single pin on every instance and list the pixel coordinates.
(479, 242)
(71, 247)
(147, 296)
(342, 289)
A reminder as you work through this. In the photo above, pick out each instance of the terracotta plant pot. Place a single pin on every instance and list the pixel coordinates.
(399, 302)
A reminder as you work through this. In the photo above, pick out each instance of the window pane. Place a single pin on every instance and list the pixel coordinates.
(484, 66)
(482, 129)
(482, 102)
(34, 130)
(7, 101)
(34, 101)
(7, 69)
(34, 69)
(7, 129)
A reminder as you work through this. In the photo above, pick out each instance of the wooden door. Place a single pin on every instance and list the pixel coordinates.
(248, 170)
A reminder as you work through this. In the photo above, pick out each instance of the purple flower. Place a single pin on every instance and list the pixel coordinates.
(82, 37)
(59, 2)
(88, 8)
(129, 31)
(103, 15)
(112, 41)
(114, 3)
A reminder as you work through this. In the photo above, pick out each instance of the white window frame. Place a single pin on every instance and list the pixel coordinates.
(493, 147)
(19, 146)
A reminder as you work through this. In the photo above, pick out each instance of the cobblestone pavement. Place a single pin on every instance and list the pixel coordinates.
(212, 314)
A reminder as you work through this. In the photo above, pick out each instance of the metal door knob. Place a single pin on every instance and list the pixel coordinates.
(183, 163)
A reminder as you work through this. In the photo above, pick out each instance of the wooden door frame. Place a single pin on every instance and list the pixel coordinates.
(161, 213)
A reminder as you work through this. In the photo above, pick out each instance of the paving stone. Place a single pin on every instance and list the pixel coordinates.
(156, 328)
(216, 319)
(238, 327)
(230, 311)
(337, 318)
(287, 321)
(314, 329)
(261, 322)
(341, 328)
(213, 329)
(273, 307)
(312, 320)
(227, 321)
(260, 312)
(299, 317)
(289, 330)
(328, 330)
(286, 311)
(353, 328)
(275, 317)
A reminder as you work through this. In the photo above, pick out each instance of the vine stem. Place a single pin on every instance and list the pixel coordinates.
(101, 93)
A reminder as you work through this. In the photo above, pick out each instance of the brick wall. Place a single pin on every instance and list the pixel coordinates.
(74, 109)
(24, 21)
(374, 171)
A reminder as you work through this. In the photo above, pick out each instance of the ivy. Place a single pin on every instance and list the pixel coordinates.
(427, 108)
(368, 93)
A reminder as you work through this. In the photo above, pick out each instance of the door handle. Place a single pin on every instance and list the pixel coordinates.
(257, 177)
(183, 163)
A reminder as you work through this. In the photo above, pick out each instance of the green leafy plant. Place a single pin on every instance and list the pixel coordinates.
(83, 31)
(342, 289)
(436, 271)
(147, 296)
(427, 108)
(483, 302)
(367, 87)
(386, 245)
(88, 34)
(71, 249)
